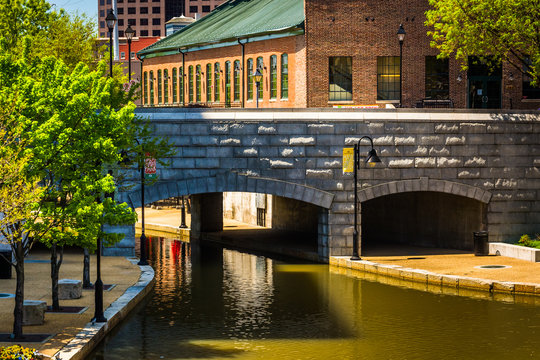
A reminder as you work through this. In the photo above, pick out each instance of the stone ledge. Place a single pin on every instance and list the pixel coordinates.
(514, 251)
(459, 284)
(85, 341)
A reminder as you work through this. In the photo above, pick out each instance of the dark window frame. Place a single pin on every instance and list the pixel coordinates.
(340, 78)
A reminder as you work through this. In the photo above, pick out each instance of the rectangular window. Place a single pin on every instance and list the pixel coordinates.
(132, 10)
(159, 87)
(102, 24)
(193, 9)
(156, 21)
(102, 2)
(143, 22)
(437, 84)
(101, 13)
(273, 77)
(166, 86)
(227, 84)
(250, 79)
(156, 32)
(132, 55)
(284, 76)
(120, 22)
(260, 67)
(120, 33)
(156, 10)
(145, 88)
(208, 82)
(122, 55)
(131, 1)
(217, 83)
(120, 11)
(182, 89)
(151, 88)
(144, 32)
(236, 80)
(529, 91)
(132, 22)
(388, 78)
(143, 10)
(340, 78)
(143, 1)
(174, 85)
(206, 9)
(198, 83)
(190, 83)
(120, 1)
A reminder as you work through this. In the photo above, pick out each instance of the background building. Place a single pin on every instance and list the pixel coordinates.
(148, 17)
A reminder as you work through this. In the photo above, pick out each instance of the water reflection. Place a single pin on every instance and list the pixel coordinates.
(213, 303)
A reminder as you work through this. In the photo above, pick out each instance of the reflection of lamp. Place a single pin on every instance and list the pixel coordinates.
(258, 78)
(401, 36)
(237, 67)
(511, 77)
(372, 159)
(459, 78)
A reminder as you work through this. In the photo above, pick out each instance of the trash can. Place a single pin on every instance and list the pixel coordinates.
(5, 265)
(481, 244)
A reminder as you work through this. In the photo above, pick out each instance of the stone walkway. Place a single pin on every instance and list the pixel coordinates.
(64, 327)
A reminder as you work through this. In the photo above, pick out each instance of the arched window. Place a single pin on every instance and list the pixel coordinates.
(166, 86)
(250, 79)
(260, 67)
(151, 88)
(273, 77)
(198, 84)
(159, 87)
(190, 83)
(217, 83)
(284, 76)
(236, 76)
(208, 82)
(145, 88)
(174, 85)
(228, 83)
(182, 88)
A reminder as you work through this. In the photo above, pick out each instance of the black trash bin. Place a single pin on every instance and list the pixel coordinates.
(5, 266)
(481, 244)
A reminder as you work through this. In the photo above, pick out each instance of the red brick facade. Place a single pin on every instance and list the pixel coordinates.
(365, 30)
(293, 46)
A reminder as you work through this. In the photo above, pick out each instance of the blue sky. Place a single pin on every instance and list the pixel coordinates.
(89, 7)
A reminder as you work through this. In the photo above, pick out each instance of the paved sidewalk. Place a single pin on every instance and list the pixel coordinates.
(115, 270)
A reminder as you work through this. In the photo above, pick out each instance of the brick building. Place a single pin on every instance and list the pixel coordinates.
(318, 53)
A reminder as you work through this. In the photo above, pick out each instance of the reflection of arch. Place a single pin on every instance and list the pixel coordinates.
(424, 184)
(230, 182)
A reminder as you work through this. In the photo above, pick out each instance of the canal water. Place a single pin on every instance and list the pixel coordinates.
(215, 303)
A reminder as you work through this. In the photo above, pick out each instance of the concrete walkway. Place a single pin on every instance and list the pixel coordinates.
(65, 327)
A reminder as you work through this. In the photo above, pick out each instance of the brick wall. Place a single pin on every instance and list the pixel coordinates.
(293, 46)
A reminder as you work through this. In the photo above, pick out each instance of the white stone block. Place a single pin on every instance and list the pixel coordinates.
(34, 312)
(69, 289)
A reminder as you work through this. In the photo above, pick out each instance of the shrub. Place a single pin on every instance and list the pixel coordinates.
(525, 240)
(17, 352)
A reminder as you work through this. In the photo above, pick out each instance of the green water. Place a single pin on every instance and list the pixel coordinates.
(211, 303)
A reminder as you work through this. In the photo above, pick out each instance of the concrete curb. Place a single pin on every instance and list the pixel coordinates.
(430, 280)
(85, 341)
(161, 229)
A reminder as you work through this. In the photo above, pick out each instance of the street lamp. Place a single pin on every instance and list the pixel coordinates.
(401, 36)
(129, 32)
(258, 78)
(371, 160)
(142, 261)
(111, 20)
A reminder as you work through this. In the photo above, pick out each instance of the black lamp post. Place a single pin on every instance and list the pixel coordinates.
(401, 36)
(129, 32)
(371, 160)
(111, 21)
(258, 78)
(142, 260)
(183, 208)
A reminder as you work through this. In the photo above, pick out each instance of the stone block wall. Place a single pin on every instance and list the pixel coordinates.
(490, 157)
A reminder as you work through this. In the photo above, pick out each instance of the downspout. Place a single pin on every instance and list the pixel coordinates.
(243, 67)
(142, 77)
(183, 79)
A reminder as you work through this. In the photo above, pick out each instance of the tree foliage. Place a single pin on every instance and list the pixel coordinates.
(506, 29)
(50, 32)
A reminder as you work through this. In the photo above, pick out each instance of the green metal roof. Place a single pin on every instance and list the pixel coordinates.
(235, 19)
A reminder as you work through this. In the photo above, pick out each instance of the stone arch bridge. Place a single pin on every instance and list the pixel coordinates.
(443, 174)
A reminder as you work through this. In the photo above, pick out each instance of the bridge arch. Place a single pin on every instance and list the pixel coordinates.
(422, 212)
(424, 184)
(230, 181)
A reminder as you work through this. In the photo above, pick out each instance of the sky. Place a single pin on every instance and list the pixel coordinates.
(89, 7)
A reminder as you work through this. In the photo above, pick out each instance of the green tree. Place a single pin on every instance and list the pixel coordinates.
(64, 125)
(506, 29)
(50, 32)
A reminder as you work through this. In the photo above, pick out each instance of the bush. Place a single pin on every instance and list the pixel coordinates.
(17, 352)
(525, 240)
